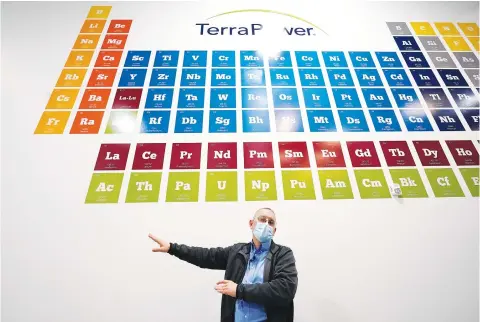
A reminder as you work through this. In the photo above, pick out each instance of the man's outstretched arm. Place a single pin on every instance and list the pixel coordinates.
(211, 258)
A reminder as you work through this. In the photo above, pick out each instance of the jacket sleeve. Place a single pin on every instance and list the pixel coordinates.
(211, 258)
(280, 291)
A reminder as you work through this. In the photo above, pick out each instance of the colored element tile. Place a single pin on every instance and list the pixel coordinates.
(464, 152)
(397, 154)
(87, 122)
(52, 122)
(363, 154)
(93, 26)
(260, 186)
(185, 156)
(221, 186)
(149, 156)
(372, 184)
(104, 188)
(108, 58)
(472, 179)
(62, 99)
(71, 78)
(155, 122)
(470, 29)
(410, 183)
(112, 157)
(127, 98)
(102, 77)
(114, 41)
(99, 12)
(143, 187)
(257, 155)
(447, 29)
(444, 183)
(79, 58)
(423, 28)
(183, 187)
(86, 41)
(94, 98)
(456, 43)
(293, 155)
(119, 26)
(222, 155)
(121, 122)
(335, 184)
(298, 185)
(328, 155)
(431, 153)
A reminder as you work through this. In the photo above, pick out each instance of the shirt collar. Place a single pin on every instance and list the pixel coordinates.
(263, 246)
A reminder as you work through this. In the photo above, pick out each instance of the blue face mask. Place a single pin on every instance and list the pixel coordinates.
(263, 232)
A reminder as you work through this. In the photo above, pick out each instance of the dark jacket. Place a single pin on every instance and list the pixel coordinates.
(280, 276)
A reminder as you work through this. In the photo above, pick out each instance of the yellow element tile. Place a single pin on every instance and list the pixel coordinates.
(52, 122)
(62, 99)
(475, 41)
(423, 28)
(447, 29)
(470, 29)
(99, 12)
(71, 78)
(457, 44)
(79, 58)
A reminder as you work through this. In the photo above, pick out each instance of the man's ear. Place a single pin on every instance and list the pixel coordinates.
(250, 223)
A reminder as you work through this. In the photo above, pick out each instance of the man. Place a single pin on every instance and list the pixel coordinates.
(260, 278)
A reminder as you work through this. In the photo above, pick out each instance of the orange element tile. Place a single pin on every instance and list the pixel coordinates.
(113, 41)
(94, 98)
(119, 26)
(102, 77)
(108, 58)
(62, 99)
(71, 77)
(87, 122)
(52, 122)
(86, 41)
(93, 26)
(79, 58)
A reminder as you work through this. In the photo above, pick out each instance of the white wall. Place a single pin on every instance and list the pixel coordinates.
(358, 260)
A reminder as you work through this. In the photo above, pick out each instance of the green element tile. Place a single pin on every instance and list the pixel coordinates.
(372, 184)
(444, 183)
(335, 184)
(104, 188)
(183, 186)
(260, 185)
(298, 185)
(144, 187)
(222, 186)
(121, 122)
(472, 179)
(410, 182)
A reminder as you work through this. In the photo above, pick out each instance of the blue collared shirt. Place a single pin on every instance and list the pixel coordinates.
(247, 311)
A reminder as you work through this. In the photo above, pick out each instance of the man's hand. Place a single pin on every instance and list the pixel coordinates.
(227, 287)
(164, 245)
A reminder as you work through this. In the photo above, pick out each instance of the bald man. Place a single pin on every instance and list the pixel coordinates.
(260, 278)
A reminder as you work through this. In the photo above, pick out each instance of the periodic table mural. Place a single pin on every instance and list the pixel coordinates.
(268, 127)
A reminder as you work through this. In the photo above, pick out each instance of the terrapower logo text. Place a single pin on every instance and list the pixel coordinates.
(253, 29)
